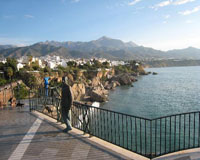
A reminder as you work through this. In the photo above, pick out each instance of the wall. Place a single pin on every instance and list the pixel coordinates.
(6, 92)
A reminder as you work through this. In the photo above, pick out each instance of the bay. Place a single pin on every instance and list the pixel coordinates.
(174, 90)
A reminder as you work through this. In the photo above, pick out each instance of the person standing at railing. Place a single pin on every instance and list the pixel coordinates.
(46, 85)
(66, 103)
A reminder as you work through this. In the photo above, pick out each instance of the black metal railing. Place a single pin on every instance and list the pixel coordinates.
(48, 100)
(148, 137)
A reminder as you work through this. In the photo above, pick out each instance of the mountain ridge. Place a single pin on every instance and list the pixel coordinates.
(103, 47)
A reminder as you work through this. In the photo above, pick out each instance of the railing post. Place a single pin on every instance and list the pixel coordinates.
(151, 154)
(30, 107)
(84, 119)
(147, 137)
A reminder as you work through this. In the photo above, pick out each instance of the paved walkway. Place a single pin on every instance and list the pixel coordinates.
(25, 136)
(193, 155)
(17, 128)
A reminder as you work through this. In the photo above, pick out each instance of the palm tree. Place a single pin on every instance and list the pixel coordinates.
(9, 72)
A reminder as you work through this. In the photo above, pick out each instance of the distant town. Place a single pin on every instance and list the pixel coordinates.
(54, 61)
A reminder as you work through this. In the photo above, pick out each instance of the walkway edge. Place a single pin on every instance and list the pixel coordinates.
(103, 143)
(178, 153)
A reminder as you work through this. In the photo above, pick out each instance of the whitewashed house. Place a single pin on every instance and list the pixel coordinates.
(19, 66)
(51, 64)
(3, 61)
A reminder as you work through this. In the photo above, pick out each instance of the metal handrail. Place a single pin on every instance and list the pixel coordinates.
(76, 102)
(148, 137)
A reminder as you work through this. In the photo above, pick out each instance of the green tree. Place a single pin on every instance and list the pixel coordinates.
(106, 64)
(27, 68)
(72, 64)
(28, 78)
(47, 69)
(30, 58)
(2, 66)
(11, 62)
(2, 81)
(35, 65)
(97, 64)
(21, 91)
(9, 72)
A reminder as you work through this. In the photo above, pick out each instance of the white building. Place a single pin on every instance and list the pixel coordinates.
(116, 63)
(19, 66)
(40, 63)
(51, 64)
(63, 63)
(23, 59)
(137, 64)
(3, 61)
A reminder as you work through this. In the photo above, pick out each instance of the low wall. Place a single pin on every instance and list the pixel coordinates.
(6, 92)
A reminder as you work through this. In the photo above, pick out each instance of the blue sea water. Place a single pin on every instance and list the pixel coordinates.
(173, 90)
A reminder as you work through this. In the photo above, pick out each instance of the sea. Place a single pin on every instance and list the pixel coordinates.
(173, 90)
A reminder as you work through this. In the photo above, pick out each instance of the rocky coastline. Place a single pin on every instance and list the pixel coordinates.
(89, 86)
(94, 89)
(97, 88)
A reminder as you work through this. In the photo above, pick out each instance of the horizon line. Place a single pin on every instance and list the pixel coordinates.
(138, 45)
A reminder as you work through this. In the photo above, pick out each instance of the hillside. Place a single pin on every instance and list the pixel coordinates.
(6, 46)
(103, 47)
(171, 63)
(187, 53)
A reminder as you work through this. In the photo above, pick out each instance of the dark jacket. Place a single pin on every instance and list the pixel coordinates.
(66, 97)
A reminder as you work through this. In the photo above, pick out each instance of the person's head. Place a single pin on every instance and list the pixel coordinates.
(64, 80)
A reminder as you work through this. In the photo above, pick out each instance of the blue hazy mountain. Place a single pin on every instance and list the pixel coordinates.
(103, 47)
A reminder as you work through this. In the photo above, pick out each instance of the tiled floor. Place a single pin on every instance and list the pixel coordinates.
(49, 142)
(186, 156)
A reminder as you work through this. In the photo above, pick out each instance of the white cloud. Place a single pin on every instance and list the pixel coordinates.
(188, 12)
(133, 2)
(29, 16)
(15, 41)
(180, 2)
(171, 2)
(75, 1)
(164, 22)
(71, 1)
(163, 4)
(167, 16)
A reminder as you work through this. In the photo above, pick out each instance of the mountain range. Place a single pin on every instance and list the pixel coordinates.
(7, 46)
(103, 47)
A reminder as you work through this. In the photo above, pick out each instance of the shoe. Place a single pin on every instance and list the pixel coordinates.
(67, 129)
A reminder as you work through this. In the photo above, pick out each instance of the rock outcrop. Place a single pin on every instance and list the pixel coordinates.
(124, 79)
(154, 73)
(95, 82)
(98, 96)
(112, 85)
(79, 91)
(94, 86)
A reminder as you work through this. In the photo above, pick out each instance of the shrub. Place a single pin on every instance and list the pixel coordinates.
(28, 79)
(2, 81)
(21, 91)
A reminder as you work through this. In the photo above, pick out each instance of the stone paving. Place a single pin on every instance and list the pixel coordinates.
(13, 127)
(50, 142)
(183, 156)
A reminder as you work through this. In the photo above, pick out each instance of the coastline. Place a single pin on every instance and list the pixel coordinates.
(99, 94)
(171, 63)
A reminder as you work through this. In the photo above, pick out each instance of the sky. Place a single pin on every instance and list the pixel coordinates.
(160, 24)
